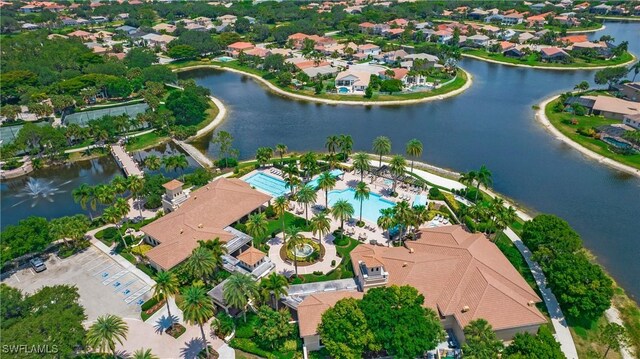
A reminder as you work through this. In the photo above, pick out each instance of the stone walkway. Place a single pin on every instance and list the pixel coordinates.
(288, 270)
(125, 161)
(563, 334)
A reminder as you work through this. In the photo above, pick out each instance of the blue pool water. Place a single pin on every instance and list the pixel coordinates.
(274, 186)
(224, 58)
(420, 200)
(370, 207)
(616, 143)
(314, 182)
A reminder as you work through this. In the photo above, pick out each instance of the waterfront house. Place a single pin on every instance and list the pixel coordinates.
(351, 81)
(478, 40)
(630, 91)
(236, 48)
(601, 9)
(613, 108)
(204, 214)
(157, 40)
(554, 54)
(512, 19)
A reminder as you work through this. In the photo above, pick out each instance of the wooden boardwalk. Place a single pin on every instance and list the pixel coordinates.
(125, 161)
(202, 160)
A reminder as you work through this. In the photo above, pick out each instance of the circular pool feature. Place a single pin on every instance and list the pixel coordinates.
(303, 251)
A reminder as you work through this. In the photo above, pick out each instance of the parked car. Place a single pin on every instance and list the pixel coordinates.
(37, 264)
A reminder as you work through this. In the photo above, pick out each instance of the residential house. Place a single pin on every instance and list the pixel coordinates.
(477, 14)
(366, 27)
(29, 9)
(83, 35)
(494, 18)
(525, 36)
(227, 19)
(478, 40)
(632, 121)
(512, 19)
(29, 26)
(391, 57)
(378, 29)
(408, 79)
(164, 27)
(351, 81)
(426, 60)
(630, 91)
(393, 33)
(402, 23)
(601, 9)
(99, 19)
(67, 21)
(126, 29)
(157, 40)
(369, 50)
(260, 52)
(554, 54)
(613, 108)
(444, 36)
(204, 214)
(298, 38)
(236, 48)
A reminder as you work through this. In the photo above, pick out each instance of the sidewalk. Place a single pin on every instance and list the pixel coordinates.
(563, 334)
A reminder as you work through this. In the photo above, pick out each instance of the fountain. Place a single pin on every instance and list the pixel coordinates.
(303, 251)
(36, 189)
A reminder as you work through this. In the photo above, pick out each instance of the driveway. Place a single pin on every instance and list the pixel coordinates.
(104, 285)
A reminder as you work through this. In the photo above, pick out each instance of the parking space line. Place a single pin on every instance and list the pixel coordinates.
(98, 265)
(124, 286)
(101, 260)
(103, 269)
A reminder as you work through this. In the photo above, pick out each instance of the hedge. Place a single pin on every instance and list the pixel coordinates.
(246, 345)
(149, 304)
(451, 202)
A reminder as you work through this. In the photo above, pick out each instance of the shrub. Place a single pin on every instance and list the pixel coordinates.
(228, 162)
(470, 223)
(270, 212)
(153, 201)
(588, 132)
(451, 201)
(149, 304)
(246, 345)
(333, 262)
(224, 325)
(341, 240)
(434, 193)
(317, 272)
(241, 227)
(290, 346)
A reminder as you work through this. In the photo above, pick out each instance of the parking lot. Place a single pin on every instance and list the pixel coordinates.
(105, 286)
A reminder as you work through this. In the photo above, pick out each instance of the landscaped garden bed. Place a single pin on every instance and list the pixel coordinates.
(176, 330)
(149, 308)
(316, 252)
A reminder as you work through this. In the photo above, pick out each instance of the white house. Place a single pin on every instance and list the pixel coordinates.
(350, 81)
(479, 40)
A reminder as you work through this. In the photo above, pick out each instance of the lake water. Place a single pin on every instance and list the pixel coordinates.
(490, 124)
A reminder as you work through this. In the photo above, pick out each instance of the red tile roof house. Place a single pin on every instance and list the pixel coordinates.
(204, 214)
(352, 82)
(234, 49)
(402, 74)
(298, 38)
(554, 54)
(462, 275)
(82, 35)
(369, 49)
(366, 27)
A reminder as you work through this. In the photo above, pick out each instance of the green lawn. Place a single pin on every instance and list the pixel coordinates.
(342, 271)
(562, 121)
(531, 60)
(145, 141)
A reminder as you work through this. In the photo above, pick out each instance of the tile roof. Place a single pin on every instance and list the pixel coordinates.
(312, 307)
(204, 216)
(251, 256)
(455, 269)
(173, 184)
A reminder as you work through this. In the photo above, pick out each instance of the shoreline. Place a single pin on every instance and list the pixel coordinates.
(222, 113)
(544, 121)
(282, 92)
(634, 58)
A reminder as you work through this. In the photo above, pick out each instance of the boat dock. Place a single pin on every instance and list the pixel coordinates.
(125, 161)
(202, 160)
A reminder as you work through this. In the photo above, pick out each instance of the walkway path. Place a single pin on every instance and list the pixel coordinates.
(200, 157)
(613, 316)
(125, 161)
(542, 117)
(563, 334)
(288, 270)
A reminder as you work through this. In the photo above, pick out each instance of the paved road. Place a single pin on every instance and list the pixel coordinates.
(563, 335)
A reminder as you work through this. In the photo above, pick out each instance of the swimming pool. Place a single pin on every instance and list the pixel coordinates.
(273, 186)
(616, 143)
(370, 207)
(343, 90)
(224, 58)
(314, 182)
(420, 200)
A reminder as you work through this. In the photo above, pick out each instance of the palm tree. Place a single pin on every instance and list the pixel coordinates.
(381, 147)
(169, 163)
(239, 291)
(113, 215)
(197, 308)
(402, 213)
(361, 193)
(326, 182)
(468, 178)
(216, 249)
(309, 163)
(414, 149)
(484, 178)
(105, 332)
(320, 225)
(296, 239)
(332, 144)
(136, 185)
(280, 205)
(152, 162)
(292, 182)
(342, 210)
(84, 195)
(273, 287)
(181, 163)
(306, 195)
(397, 167)
(346, 144)
(144, 354)
(386, 221)
(201, 264)
(420, 215)
(504, 217)
(361, 163)
(257, 225)
(167, 286)
(281, 148)
(119, 184)
(104, 194)
(122, 206)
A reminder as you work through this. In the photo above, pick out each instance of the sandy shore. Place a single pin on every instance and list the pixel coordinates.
(542, 118)
(549, 68)
(282, 92)
(222, 113)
